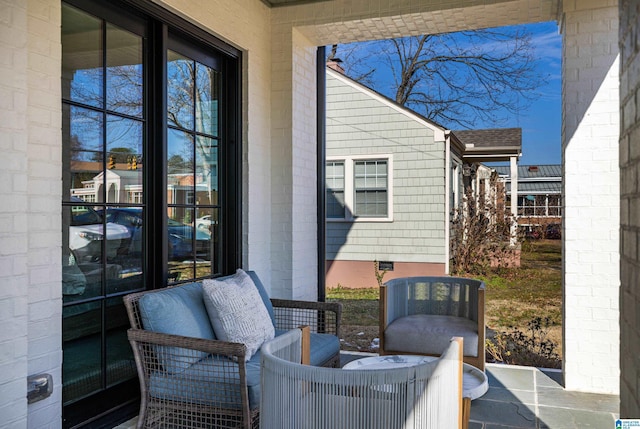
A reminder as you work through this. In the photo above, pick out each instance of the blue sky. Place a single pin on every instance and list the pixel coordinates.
(541, 122)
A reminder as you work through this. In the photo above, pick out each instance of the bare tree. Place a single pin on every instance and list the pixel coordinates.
(455, 79)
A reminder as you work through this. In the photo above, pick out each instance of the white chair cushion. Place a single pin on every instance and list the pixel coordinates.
(430, 334)
(236, 311)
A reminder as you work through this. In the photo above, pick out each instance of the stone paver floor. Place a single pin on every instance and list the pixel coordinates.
(524, 397)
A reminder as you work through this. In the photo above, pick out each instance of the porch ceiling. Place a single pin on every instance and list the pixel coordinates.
(344, 21)
(276, 3)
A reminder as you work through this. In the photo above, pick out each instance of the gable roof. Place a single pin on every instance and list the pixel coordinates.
(493, 137)
(491, 144)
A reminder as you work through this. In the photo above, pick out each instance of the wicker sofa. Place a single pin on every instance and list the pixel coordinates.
(187, 381)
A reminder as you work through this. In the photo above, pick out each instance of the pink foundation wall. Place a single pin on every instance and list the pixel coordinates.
(360, 274)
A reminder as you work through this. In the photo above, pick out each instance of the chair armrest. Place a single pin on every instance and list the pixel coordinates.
(206, 376)
(321, 317)
(214, 347)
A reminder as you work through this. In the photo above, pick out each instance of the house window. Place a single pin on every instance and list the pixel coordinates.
(149, 144)
(370, 185)
(335, 189)
(359, 188)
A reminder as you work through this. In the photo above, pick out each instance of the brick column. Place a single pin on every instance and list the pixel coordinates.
(629, 211)
(14, 286)
(293, 165)
(591, 204)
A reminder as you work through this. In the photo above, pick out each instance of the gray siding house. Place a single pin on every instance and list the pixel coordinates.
(393, 178)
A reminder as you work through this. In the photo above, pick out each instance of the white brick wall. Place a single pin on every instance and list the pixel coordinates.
(591, 189)
(14, 281)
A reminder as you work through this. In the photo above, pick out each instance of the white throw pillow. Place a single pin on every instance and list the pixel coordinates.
(237, 312)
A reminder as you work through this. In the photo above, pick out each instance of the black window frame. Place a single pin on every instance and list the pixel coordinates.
(117, 403)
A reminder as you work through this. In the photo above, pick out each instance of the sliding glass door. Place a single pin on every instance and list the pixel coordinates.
(150, 182)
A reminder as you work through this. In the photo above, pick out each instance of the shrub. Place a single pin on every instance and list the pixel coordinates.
(480, 237)
(529, 348)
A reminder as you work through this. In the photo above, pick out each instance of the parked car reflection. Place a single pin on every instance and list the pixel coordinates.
(179, 235)
(86, 233)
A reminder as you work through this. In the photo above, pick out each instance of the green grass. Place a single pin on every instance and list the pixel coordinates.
(359, 306)
(513, 297)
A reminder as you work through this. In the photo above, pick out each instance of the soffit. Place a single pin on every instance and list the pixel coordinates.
(276, 3)
(344, 21)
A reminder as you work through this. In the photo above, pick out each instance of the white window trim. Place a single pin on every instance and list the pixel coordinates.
(349, 185)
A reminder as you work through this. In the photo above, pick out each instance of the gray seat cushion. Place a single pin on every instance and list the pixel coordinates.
(322, 348)
(430, 334)
(206, 384)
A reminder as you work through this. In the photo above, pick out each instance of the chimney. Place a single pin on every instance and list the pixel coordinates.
(334, 64)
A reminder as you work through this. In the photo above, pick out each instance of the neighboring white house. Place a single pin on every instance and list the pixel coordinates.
(539, 195)
(394, 179)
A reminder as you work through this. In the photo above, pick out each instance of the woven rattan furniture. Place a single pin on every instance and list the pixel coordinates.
(423, 396)
(208, 383)
(418, 315)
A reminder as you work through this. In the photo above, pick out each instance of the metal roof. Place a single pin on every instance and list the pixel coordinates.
(537, 188)
(532, 171)
(534, 179)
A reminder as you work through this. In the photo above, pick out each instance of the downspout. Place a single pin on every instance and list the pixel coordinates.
(321, 122)
(447, 200)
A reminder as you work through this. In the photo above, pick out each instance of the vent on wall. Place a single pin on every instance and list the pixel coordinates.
(385, 266)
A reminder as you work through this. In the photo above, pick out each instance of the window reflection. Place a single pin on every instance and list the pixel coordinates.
(124, 72)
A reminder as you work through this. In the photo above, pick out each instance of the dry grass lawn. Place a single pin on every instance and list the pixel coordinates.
(514, 297)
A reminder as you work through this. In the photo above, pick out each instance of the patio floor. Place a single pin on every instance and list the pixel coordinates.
(526, 397)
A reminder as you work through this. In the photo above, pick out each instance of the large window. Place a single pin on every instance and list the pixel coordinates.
(150, 181)
(545, 205)
(359, 188)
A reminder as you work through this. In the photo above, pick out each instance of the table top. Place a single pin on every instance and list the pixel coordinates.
(474, 382)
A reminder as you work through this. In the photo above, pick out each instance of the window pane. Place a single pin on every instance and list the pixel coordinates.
(207, 232)
(125, 273)
(124, 72)
(120, 363)
(335, 175)
(180, 91)
(81, 57)
(82, 153)
(371, 203)
(206, 100)
(82, 369)
(335, 204)
(124, 159)
(180, 164)
(370, 174)
(206, 171)
(181, 243)
(83, 232)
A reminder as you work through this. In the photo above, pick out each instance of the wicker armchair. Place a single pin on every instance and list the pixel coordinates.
(424, 396)
(209, 384)
(418, 315)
